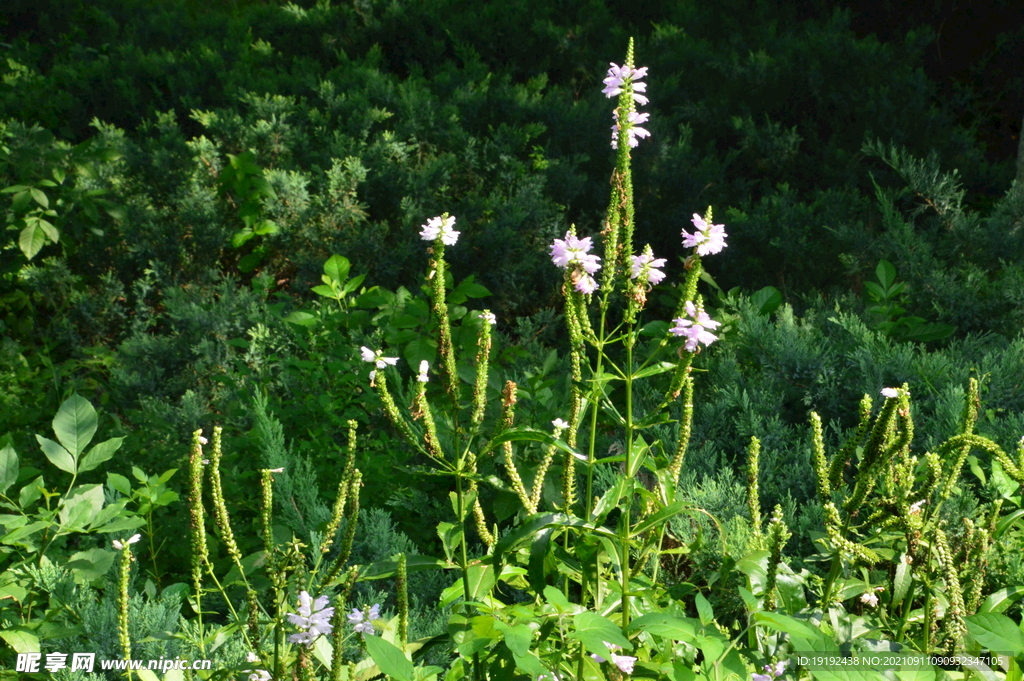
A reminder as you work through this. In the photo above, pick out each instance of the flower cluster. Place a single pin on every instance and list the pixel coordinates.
(313, 618)
(627, 79)
(440, 227)
(707, 238)
(623, 662)
(869, 598)
(424, 368)
(696, 328)
(646, 264)
(573, 250)
(363, 622)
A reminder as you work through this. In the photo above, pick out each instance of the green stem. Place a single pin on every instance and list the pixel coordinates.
(626, 511)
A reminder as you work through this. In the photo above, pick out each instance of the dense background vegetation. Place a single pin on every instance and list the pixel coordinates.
(158, 142)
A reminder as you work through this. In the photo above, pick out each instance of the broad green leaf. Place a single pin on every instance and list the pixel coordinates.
(88, 566)
(536, 573)
(30, 493)
(337, 268)
(75, 424)
(802, 632)
(49, 230)
(264, 227)
(21, 639)
(420, 349)
(555, 597)
(657, 519)
(390, 660)
(20, 533)
(301, 318)
(481, 581)
(886, 273)
(901, 583)
(8, 468)
(704, 611)
(325, 291)
(58, 456)
(594, 631)
(31, 240)
(122, 524)
(119, 483)
(996, 632)
(79, 508)
(666, 626)
(999, 601)
(99, 454)
(766, 300)
(517, 638)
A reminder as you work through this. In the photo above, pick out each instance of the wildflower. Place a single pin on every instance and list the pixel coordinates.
(424, 366)
(363, 623)
(489, 318)
(695, 329)
(313, 618)
(632, 131)
(771, 672)
(890, 392)
(915, 507)
(252, 657)
(623, 662)
(442, 227)
(377, 357)
(619, 76)
(648, 261)
(133, 540)
(202, 440)
(276, 470)
(559, 424)
(575, 250)
(708, 239)
(869, 598)
(585, 284)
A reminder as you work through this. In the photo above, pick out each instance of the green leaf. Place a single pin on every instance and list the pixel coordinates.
(996, 632)
(704, 611)
(264, 227)
(75, 424)
(666, 626)
(79, 508)
(325, 291)
(901, 583)
(58, 456)
(21, 639)
(1000, 600)
(886, 273)
(30, 493)
(384, 569)
(766, 300)
(99, 454)
(8, 468)
(49, 230)
(301, 318)
(31, 241)
(88, 566)
(657, 519)
(240, 237)
(536, 573)
(419, 349)
(655, 369)
(593, 631)
(390, 660)
(21, 200)
(337, 268)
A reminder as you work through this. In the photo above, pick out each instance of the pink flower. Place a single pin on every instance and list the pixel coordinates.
(708, 239)
(619, 76)
(586, 284)
(696, 328)
(632, 131)
(572, 249)
(647, 259)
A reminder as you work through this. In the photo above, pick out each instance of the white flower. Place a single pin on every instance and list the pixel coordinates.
(133, 540)
(202, 440)
(424, 367)
(559, 424)
(869, 598)
(890, 392)
(252, 657)
(915, 507)
(313, 619)
(275, 470)
(442, 227)
(489, 317)
(377, 357)
(363, 623)
(373, 375)
(260, 675)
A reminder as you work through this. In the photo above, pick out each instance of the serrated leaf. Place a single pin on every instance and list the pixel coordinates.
(58, 456)
(75, 424)
(99, 454)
